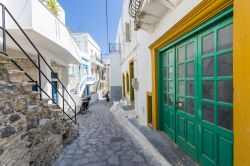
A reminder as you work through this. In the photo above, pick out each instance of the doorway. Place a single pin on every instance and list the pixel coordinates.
(196, 82)
(131, 74)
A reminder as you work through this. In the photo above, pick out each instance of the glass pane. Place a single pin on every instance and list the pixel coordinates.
(190, 70)
(208, 44)
(208, 67)
(181, 88)
(165, 61)
(165, 86)
(225, 117)
(208, 90)
(225, 91)
(165, 70)
(171, 86)
(165, 99)
(170, 72)
(170, 58)
(190, 106)
(181, 54)
(190, 88)
(225, 65)
(171, 100)
(208, 112)
(225, 37)
(181, 71)
(190, 51)
(181, 104)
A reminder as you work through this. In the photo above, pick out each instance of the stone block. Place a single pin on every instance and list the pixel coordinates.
(14, 117)
(16, 76)
(32, 122)
(7, 131)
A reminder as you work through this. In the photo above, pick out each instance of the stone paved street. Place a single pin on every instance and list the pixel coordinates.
(103, 141)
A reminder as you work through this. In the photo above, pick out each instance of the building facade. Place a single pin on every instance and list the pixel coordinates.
(184, 67)
(93, 65)
(36, 39)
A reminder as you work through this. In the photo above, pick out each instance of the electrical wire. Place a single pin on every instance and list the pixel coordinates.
(107, 27)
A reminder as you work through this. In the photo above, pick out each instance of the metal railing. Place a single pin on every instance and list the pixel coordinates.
(114, 48)
(40, 60)
(134, 7)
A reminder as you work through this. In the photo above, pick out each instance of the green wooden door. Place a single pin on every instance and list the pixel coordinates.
(196, 94)
(215, 106)
(168, 95)
(186, 96)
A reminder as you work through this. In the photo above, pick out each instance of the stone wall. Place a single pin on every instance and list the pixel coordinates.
(30, 132)
(26, 65)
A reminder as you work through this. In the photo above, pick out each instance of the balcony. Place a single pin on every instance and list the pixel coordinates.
(148, 13)
(47, 31)
(114, 48)
(95, 60)
(90, 80)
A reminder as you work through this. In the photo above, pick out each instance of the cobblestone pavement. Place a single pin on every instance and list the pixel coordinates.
(103, 141)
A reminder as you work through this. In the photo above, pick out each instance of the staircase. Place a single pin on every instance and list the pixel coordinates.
(20, 78)
(32, 132)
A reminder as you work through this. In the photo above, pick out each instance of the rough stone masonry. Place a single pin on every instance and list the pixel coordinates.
(31, 133)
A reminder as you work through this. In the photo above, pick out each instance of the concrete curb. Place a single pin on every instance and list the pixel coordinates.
(116, 110)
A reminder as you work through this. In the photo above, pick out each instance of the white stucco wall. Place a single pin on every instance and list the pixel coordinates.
(138, 49)
(42, 26)
(115, 70)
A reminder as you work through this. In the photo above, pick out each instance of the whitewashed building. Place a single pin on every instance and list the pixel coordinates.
(36, 39)
(93, 64)
(181, 64)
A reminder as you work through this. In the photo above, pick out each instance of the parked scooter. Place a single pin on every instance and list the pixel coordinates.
(85, 105)
(107, 96)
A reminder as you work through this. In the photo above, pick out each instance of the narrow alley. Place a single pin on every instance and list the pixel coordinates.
(103, 141)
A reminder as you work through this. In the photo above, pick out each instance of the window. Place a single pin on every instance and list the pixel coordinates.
(127, 32)
(71, 71)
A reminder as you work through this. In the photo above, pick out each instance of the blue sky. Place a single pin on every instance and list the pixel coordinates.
(89, 16)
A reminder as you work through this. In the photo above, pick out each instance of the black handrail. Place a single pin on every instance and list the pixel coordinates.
(40, 72)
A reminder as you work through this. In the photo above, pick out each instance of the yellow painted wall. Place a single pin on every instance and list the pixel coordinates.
(242, 82)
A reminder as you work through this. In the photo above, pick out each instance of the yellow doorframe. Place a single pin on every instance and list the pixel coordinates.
(127, 84)
(149, 108)
(130, 81)
(196, 17)
(123, 85)
(241, 60)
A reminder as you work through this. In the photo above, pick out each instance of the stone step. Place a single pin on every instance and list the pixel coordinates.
(4, 83)
(44, 101)
(50, 106)
(33, 110)
(58, 109)
(27, 86)
(4, 59)
(33, 106)
(16, 76)
(35, 95)
(57, 112)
